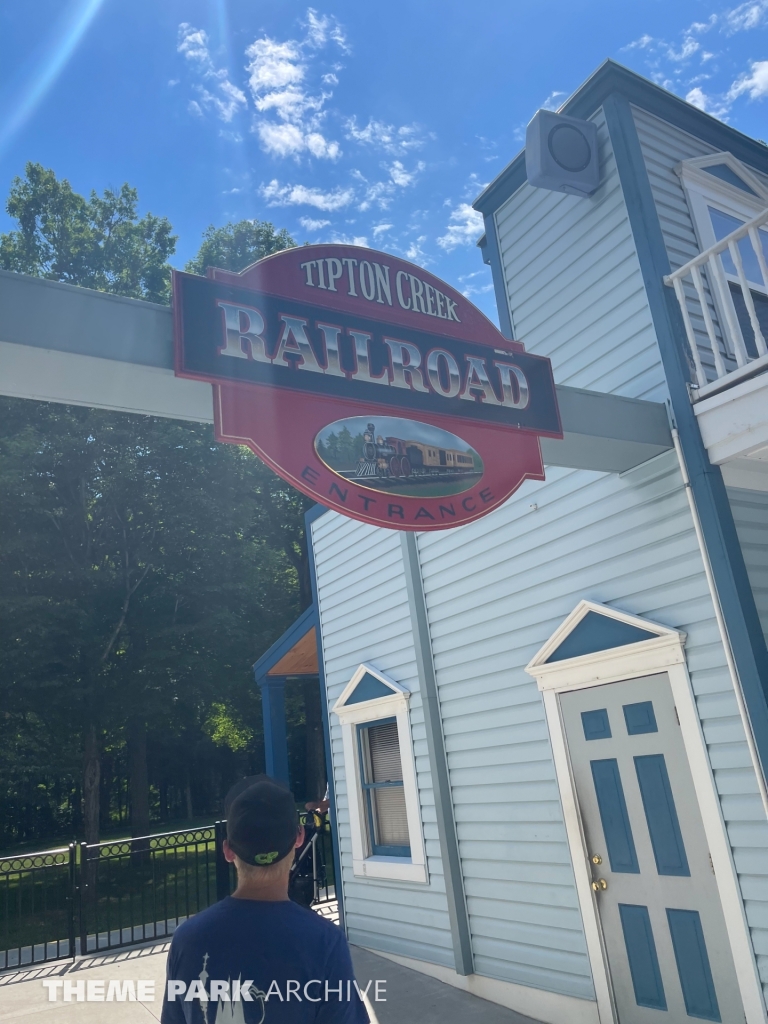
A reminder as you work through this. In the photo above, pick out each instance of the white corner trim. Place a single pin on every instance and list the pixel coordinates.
(548, 1007)
(365, 865)
(664, 654)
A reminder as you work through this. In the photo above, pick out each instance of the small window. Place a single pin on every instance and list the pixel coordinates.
(382, 783)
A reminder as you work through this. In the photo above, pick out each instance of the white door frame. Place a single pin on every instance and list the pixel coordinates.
(664, 653)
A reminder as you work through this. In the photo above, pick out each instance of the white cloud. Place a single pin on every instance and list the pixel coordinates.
(349, 239)
(709, 104)
(298, 195)
(381, 229)
(683, 66)
(281, 139)
(465, 226)
(415, 251)
(193, 43)
(746, 16)
(313, 225)
(400, 176)
(639, 44)
(274, 65)
(478, 289)
(278, 74)
(321, 28)
(383, 136)
(552, 102)
(218, 94)
(689, 47)
(381, 193)
(753, 82)
(227, 103)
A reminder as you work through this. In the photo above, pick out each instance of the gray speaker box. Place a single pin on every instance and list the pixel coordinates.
(561, 154)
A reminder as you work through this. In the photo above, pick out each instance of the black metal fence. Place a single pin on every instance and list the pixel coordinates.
(62, 903)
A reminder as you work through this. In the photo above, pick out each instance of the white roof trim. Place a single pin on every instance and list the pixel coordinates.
(396, 688)
(538, 662)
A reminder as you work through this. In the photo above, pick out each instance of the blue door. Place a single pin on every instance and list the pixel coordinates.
(654, 885)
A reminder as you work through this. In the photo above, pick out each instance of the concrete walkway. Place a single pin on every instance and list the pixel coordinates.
(411, 998)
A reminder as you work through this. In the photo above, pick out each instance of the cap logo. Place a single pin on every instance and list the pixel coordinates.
(266, 858)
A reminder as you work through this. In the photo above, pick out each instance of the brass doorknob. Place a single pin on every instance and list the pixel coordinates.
(596, 858)
(599, 885)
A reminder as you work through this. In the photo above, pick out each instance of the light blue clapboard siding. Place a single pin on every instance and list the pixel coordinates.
(363, 609)
(496, 590)
(750, 513)
(664, 146)
(575, 287)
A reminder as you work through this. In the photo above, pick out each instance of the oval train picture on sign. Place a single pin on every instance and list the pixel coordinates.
(399, 456)
(367, 383)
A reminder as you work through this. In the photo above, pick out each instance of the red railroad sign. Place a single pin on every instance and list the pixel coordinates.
(367, 383)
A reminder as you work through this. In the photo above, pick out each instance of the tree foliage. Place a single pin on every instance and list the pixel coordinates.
(236, 246)
(99, 242)
(137, 582)
(144, 566)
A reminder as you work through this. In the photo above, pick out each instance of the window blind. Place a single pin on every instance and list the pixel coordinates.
(387, 803)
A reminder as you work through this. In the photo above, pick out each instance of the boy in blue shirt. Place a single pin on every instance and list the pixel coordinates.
(256, 957)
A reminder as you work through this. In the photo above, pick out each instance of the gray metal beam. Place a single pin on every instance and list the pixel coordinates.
(608, 433)
(60, 343)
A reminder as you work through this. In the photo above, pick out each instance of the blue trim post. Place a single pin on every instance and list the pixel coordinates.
(732, 584)
(309, 517)
(275, 732)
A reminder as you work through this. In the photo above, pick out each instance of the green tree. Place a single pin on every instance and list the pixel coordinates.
(236, 246)
(147, 567)
(138, 588)
(99, 242)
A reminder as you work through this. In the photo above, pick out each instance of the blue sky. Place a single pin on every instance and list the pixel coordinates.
(345, 121)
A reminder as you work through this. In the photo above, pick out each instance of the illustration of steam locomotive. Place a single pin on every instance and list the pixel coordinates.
(394, 457)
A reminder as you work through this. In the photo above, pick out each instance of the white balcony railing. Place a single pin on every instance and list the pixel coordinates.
(725, 341)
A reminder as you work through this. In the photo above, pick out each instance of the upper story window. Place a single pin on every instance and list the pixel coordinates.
(723, 195)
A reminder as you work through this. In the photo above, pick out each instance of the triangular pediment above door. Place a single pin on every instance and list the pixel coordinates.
(592, 628)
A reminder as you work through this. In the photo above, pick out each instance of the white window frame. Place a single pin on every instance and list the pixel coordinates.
(664, 653)
(703, 189)
(365, 864)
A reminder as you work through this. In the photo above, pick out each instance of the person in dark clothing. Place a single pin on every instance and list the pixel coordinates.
(256, 957)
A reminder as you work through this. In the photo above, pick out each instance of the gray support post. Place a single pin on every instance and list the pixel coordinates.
(438, 762)
(338, 880)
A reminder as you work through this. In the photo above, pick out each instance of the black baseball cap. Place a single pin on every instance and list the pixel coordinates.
(262, 820)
